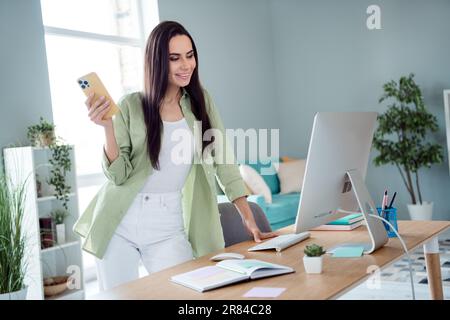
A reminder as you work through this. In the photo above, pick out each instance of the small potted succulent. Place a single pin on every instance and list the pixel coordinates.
(59, 215)
(42, 134)
(313, 259)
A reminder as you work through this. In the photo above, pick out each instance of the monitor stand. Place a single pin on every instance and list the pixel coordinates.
(375, 227)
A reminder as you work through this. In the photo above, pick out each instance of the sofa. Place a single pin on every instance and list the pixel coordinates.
(283, 209)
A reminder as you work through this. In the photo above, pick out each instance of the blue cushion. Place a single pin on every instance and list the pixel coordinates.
(271, 179)
(283, 209)
(280, 213)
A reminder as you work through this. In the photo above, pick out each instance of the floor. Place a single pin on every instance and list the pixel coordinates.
(394, 281)
(92, 287)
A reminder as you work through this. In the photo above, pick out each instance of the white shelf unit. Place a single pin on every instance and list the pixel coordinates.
(22, 164)
(61, 246)
(50, 198)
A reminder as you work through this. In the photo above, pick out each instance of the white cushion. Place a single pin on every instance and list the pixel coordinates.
(291, 175)
(255, 182)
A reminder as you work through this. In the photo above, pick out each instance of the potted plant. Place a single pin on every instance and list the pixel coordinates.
(59, 215)
(401, 139)
(12, 241)
(313, 258)
(60, 165)
(42, 134)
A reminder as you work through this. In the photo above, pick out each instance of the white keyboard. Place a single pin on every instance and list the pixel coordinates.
(281, 242)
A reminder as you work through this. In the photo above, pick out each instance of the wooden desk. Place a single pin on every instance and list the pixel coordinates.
(339, 274)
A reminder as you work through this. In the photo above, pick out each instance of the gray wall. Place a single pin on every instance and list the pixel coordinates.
(327, 60)
(275, 63)
(234, 42)
(24, 85)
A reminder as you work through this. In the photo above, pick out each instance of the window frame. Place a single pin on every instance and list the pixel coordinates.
(148, 17)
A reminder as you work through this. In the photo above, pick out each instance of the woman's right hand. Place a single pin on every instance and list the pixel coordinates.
(97, 109)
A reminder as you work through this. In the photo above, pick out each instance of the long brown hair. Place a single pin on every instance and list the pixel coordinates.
(156, 73)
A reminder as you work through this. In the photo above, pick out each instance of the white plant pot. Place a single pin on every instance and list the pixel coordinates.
(421, 212)
(16, 295)
(313, 264)
(61, 233)
(50, 190)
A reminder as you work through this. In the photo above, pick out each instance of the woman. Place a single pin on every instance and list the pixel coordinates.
(155, 208)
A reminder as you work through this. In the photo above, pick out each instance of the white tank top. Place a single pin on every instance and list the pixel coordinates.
(175, 159)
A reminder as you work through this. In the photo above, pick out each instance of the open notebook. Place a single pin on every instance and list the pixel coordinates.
(227, 272)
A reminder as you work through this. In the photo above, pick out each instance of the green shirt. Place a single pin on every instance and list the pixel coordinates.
(127, 175)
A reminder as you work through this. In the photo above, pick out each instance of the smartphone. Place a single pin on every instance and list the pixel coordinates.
(91, 83)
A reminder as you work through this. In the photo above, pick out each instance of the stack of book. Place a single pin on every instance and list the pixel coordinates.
(346, 223)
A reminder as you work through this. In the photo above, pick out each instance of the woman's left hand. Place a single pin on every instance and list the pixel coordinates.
(257, 234)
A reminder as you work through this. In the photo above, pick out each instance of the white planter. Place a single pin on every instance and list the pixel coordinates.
(50, 190)
(16, 295)
(421, 212)
(61, 233)
(313, 264)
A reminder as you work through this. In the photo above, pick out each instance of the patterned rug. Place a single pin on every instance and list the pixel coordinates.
(399, 271)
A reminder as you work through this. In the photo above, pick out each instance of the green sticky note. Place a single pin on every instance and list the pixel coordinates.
(348, 252)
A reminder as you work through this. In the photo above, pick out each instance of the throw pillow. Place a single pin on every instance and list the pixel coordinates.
(291, 175)
(271, 179)
(255, 182)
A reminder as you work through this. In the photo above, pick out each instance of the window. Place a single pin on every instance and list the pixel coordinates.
(107, 17)
(81, 36)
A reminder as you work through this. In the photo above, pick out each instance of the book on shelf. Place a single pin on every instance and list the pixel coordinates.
(337, 227)
(227, 272)
(347, 220)
(48, 232)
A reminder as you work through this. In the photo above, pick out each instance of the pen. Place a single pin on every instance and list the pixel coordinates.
(392, 201)
(384, 202)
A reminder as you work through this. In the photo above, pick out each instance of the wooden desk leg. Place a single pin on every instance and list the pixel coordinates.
(431, 250)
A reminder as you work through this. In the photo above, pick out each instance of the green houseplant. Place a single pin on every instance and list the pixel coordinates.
(313, 258)
(41, 134)
(60, 165)
(401, 139)
(59, 215)
(12, 240)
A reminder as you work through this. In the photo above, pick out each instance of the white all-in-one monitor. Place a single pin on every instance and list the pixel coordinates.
(336, 166)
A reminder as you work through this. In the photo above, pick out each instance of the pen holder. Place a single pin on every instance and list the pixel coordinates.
(391, 216)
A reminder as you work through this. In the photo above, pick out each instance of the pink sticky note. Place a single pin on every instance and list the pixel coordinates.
(264, 292)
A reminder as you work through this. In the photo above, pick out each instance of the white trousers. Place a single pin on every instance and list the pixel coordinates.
(152, 230)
